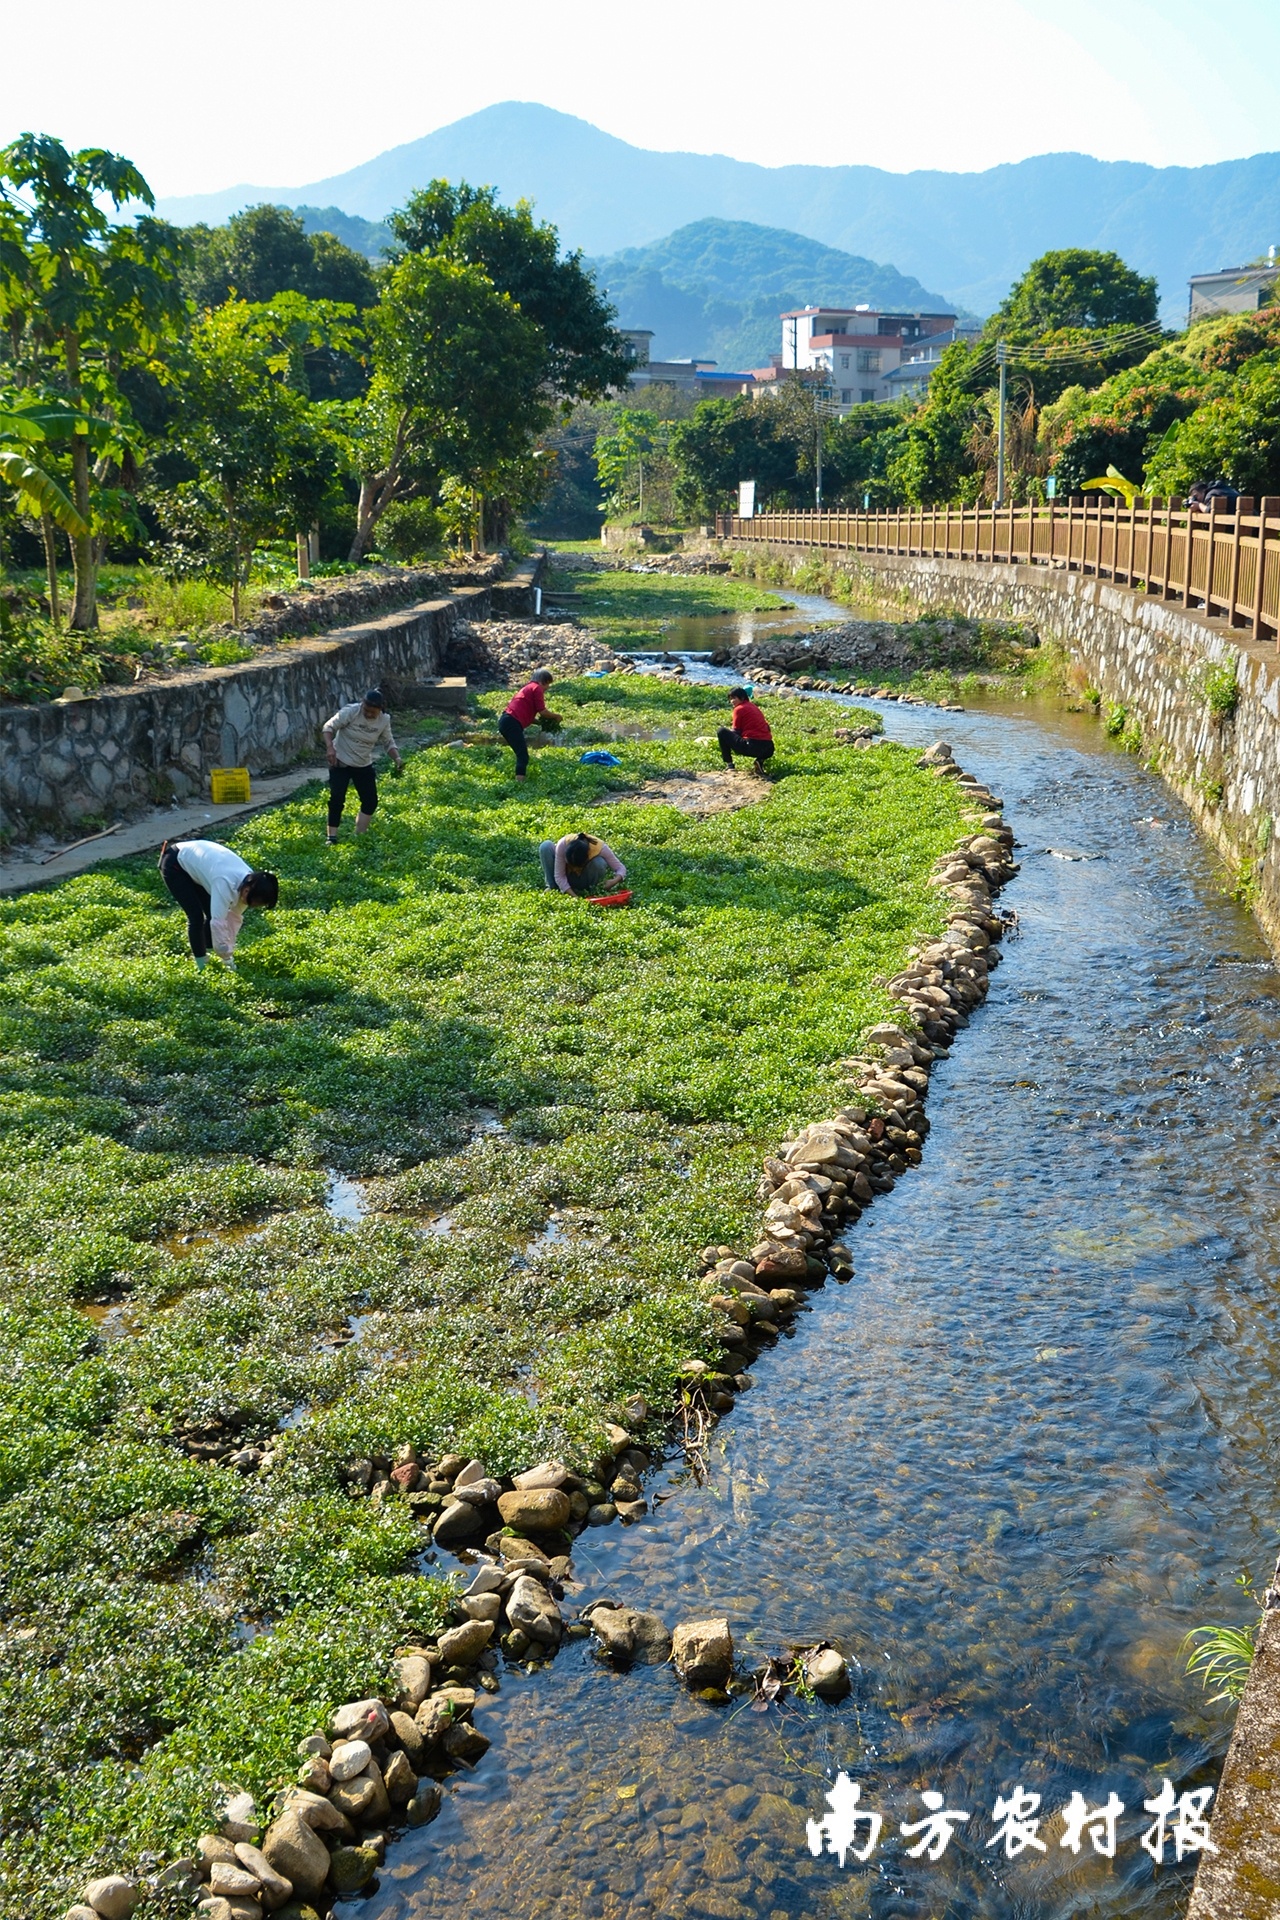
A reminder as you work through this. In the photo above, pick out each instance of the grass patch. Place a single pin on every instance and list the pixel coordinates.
(171, 1626)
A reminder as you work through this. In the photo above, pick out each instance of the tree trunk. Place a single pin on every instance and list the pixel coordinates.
(51, 569)
(303, 545)
(84, 609)
(235, 562)
(377, 492)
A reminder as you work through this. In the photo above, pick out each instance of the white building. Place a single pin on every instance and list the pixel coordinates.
(1232, 290)
(855, 349)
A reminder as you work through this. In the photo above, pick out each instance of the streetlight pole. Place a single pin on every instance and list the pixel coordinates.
(1001, 357)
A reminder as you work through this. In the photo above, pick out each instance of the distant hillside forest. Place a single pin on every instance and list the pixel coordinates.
(715, 289)
(1097, 391)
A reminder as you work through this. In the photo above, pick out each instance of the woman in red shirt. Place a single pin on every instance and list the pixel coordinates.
(522, 710)
(749, 733)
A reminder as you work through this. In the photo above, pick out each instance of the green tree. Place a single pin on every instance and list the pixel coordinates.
(1235, 435)
(584, 356)
(637, 438)
(83, 300)
(1073, 287)
(261, 454)
(266, 250)
(458, 387)
(725, 442)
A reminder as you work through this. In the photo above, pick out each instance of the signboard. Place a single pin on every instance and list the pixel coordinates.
(1051, 487)
(746, 499)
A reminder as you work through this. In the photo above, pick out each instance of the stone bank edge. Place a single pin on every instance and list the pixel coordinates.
(374, 1764)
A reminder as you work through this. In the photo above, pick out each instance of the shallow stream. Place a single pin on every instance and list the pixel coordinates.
(707, 631)
(1005, 1468)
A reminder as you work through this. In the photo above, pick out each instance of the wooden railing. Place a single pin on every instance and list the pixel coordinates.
(1225, 564)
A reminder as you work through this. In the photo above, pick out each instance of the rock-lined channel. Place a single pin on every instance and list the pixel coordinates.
(1005, 1468)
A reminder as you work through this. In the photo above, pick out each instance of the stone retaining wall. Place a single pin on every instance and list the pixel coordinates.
(1151, 659)
(132, 747)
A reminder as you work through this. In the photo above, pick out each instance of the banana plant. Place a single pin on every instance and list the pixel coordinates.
(1114, 483)
(24, 425)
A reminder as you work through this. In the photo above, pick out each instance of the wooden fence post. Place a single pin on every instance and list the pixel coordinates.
(1268, 507)
(1243, 505)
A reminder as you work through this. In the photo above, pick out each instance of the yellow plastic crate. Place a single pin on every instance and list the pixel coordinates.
(230, 785)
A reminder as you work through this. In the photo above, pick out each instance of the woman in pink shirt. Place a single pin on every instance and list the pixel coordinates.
(522, 710)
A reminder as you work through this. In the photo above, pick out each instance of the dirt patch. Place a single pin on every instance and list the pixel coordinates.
(718, 792)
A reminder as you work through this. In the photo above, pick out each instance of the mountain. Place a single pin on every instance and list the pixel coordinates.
(369, 237)
(972, 233)
(715, 288)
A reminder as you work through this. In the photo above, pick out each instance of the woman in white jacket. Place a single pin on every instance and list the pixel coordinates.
(214, 886)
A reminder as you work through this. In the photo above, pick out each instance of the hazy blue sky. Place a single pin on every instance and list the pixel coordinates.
(280, 94)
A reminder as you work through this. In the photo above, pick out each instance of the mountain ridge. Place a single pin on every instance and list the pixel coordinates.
(972, 233)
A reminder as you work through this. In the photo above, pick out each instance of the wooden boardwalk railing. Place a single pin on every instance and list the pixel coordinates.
(1225, 564)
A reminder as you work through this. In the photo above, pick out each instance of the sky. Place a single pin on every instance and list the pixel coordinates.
(278, 95)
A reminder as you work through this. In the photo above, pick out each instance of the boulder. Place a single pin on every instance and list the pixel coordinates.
(364, 1799)
(361, 1720)
(114, 1897)
(482, 1606)
(212, 1847)
(352, 1868)
(462, 1646)
(703, 1652)
(399, 1779)
(415, 1680)
(540, 1509)
(653, 1641)
(234, 1882)
(425, 1804)
(549, 1474)
(826, 1672)
(275, 1888)
(349, 1759)
(612, 1628)
(531, 1607)
(239, 1820)
(459, 1523)
(317, 1811)
(487, 1579)
(464, 1742)
(409, 1733)
(468, 1475)
(297, 1853)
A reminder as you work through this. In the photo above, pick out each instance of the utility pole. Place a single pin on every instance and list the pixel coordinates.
(1001, 357)
(817, 486)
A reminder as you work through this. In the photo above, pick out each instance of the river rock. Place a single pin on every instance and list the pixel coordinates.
(459, 1523)
(464, 1742)
(314, 1773)
(349, 1759)
(410, 1734)
(601, 1514)
(532, 1608)
(540, 1510)
(487, 1579)
(618, 1437)
(239, 1818)
(297, 1854)
(478, 1493)
(79, 1912)
(653, 1641)
(314, 1743)
(275, 1888)
(415, 1680)
(483, 1606)
(361, 1720)
(399, 1779)
(549, 1474)
(826, 1672)
(612, 1628)
(468, 1475)
(462, 1646)
(319, 1813)
(297, 1910)
(351, 1868)
(425, 1804)
(212, 1847)
(234, 1882)
(363, 1800)
(114, 1897)
(703, 1652)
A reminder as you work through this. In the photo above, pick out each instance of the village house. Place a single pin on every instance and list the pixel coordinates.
(854, 350)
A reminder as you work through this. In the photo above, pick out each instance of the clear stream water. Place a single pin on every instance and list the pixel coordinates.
(693, 632)
(1005, 1468)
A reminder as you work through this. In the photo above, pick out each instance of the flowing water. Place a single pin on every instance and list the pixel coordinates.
(1005, 1468)
(694, 632)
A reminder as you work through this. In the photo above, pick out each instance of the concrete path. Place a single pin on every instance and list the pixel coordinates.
(26, 868)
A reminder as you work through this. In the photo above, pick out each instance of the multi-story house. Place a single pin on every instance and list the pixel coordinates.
(854, 350)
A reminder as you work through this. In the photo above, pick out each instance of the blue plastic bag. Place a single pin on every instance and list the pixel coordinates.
(598, 758)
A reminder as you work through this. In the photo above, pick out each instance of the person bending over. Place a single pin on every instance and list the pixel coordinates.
(578, 863)
(749, 732)
(214, 886)
(352, 737)
(521, 712)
